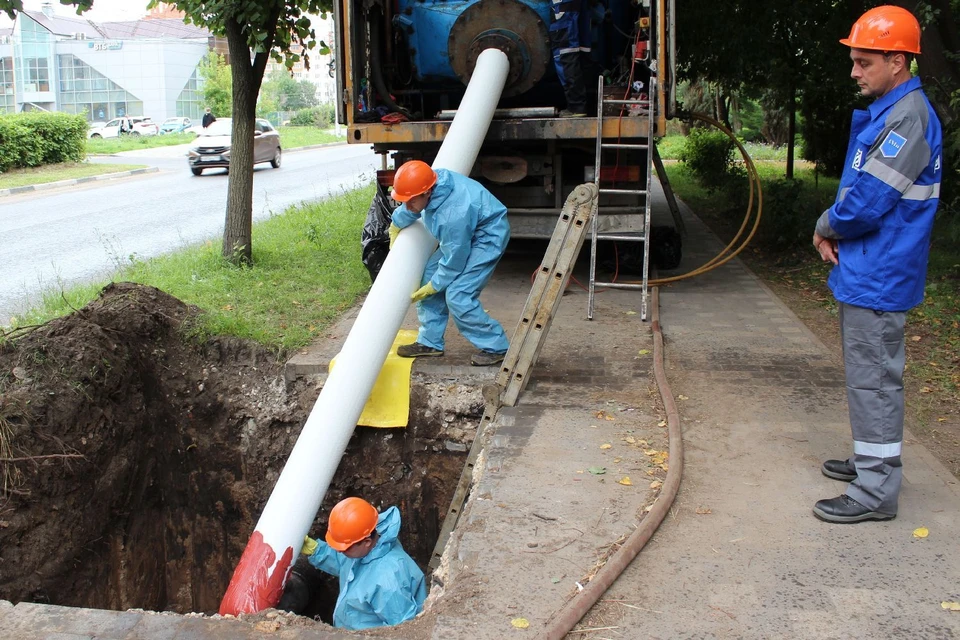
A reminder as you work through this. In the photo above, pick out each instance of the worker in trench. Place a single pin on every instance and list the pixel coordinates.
(380, 585)
(472, 228)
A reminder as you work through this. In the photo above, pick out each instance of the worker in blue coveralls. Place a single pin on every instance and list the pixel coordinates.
(570, 38)
(877, 234)
(380, 584)
(472, 229)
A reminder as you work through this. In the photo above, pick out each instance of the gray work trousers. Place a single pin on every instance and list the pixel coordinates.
(873, 360)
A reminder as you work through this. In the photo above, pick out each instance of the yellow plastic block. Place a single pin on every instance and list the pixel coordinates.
(389, 401)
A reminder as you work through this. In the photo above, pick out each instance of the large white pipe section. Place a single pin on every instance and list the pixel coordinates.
(259, 578)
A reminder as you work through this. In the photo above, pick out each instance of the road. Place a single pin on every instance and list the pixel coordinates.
(76, 234)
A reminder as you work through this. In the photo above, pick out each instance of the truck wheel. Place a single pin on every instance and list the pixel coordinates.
(196, 171)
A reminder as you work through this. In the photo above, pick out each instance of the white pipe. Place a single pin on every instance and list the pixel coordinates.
(258, 580)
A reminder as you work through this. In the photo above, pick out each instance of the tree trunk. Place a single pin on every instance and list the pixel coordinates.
(791, 132)
(247, 77)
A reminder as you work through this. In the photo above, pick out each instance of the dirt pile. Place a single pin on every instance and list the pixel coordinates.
(134, 460)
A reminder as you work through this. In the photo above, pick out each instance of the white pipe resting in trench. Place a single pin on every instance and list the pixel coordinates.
(260, 575)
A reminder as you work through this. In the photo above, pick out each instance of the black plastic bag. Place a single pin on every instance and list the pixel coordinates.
(375, 238)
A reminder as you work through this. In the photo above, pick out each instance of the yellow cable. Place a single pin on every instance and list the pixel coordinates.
(753, 178)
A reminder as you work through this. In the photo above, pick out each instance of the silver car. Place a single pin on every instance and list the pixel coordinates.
(212, 147)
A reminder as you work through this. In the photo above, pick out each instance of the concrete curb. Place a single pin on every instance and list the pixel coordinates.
(66, 183)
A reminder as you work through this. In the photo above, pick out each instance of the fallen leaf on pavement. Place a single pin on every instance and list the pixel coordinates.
(916, 338)
(921, 532)
(520, 623)
(662, 423)
(644, 352)
(656, 484)
(631, 313)
(951, 606)
(606, 445)
(603, 415)
(703, 511)
(625, 481)
(597, 471)
(682, 397)
(941, 419)
(630, 440)
(926, 390)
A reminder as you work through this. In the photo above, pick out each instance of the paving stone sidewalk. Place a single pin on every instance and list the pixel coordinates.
(741, 555)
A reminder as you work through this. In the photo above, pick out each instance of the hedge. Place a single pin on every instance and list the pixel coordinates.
(37, 138)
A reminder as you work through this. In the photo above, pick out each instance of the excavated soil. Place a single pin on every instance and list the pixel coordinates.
(135, 460)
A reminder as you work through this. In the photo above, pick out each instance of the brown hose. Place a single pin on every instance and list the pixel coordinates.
(569, 615)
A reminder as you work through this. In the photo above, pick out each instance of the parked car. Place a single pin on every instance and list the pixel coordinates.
(212, 146)
(175, 125)
(127, 125)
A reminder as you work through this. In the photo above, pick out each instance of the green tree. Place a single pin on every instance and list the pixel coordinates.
(217, 85)
(255, 31)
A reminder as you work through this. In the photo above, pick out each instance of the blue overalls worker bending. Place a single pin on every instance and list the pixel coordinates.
(877, 234)
(569, 38)
(380, 584)
(472, 229)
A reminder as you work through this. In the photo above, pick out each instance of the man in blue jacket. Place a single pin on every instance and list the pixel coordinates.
(472, 229)
(877, 234)
(380, 584)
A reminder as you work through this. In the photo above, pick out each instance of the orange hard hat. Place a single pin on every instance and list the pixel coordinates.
(352, 520)
(412, 179)
(885, 28)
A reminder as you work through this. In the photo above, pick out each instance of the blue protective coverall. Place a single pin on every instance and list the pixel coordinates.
(882, 220)
(472, 228)
(570, 36)
(385, 587)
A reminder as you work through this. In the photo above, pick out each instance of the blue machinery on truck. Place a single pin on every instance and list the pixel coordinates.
(403, 65)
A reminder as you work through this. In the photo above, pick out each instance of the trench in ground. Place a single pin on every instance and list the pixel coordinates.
(181, 521)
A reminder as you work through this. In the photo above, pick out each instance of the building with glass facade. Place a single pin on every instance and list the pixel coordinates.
(139, 68)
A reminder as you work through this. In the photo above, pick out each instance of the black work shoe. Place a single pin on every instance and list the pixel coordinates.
(417, 350)
(845, 510)
(486, 358)
(839, 470)
(572, 113)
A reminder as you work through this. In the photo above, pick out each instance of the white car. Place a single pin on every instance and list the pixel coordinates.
(127, 125)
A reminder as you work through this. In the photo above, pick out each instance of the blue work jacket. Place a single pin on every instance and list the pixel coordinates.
(463, 216)
(884, 211)
(385, 587)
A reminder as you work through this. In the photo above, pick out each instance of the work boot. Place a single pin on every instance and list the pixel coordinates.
(486, 358)
(845, 510)
(417, 350)
(839, 470)
(572, 113)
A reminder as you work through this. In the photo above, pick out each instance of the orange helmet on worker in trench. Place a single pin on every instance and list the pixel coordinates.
(412, 179)
(352, 520)
(885, 28)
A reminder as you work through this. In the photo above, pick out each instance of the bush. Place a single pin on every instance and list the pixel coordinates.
(709, 156)
(322, 116)
(790, 212)
(19, 147)
(36, 138)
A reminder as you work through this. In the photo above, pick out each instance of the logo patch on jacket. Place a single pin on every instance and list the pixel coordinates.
(892, 145)
(857, 159)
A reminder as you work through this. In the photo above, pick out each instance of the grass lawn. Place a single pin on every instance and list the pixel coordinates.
(293, 137)
(306, 272)
(290, 138)
(56, 172)
(134, 143)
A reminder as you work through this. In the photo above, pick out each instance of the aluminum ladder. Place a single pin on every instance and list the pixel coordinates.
(595, 235)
